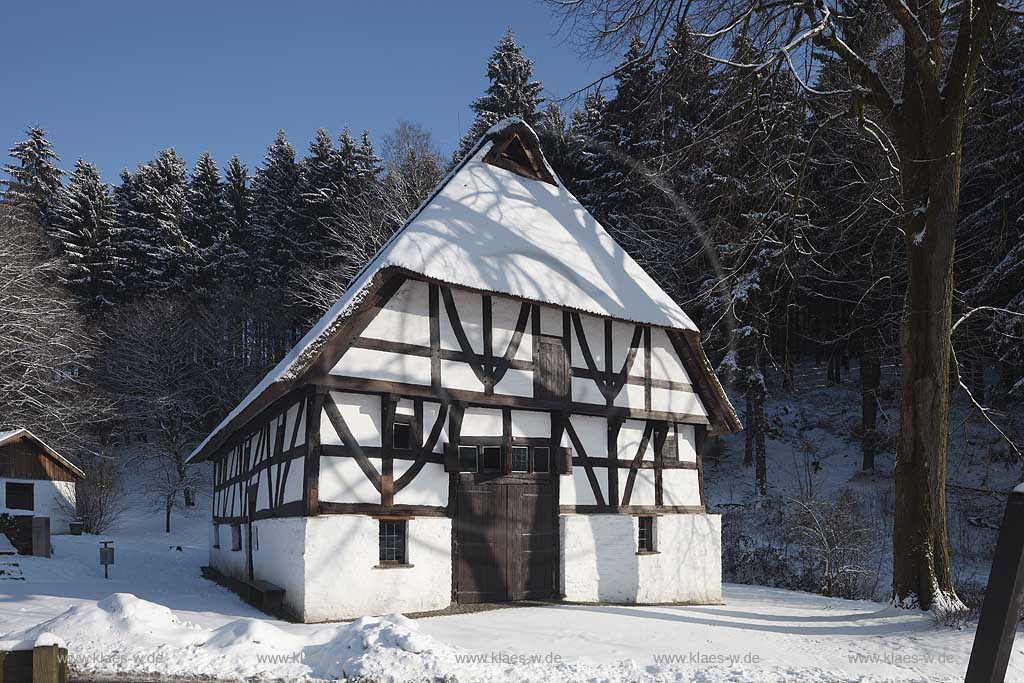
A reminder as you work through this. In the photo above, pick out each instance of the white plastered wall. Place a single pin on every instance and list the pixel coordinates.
(47, 500)
(279, 557)
(225, 560)
(576, 489)
(343, 581)
(600, 563)
(341, 478)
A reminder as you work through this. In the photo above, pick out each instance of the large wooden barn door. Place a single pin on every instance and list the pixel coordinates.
(506, 544)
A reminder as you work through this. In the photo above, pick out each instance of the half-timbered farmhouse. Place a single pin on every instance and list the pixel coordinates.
(502, 406)
(35, 480)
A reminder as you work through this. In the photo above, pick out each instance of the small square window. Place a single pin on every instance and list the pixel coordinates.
(491, 459)
(392, 541)
(541, 459)
(20, 496)
(467, 458)
(520, 458)
(401, 436)
(646, 542)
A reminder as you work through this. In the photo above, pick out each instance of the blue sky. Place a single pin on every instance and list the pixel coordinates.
(115, 81)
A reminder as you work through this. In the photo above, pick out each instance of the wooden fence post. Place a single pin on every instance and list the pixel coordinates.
(49, 664)
(997, 625)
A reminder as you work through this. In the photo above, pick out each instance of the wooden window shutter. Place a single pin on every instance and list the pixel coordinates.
(564, 460)
(451, 458)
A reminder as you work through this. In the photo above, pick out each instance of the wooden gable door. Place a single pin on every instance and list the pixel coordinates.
(551, 378)
(506, 540)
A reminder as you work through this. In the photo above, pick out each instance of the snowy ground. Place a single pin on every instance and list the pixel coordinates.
(177, 624)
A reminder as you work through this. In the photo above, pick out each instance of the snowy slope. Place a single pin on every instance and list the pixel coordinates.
(813, 452)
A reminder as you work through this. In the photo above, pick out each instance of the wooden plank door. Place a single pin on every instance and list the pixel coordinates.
(533, 545)
(551, 379)
(481, 536)
(506, 548)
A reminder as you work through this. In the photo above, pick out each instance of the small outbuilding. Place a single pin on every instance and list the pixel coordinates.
(35, 480)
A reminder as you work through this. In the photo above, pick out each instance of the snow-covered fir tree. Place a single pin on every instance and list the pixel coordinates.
(208, 229)
(276, 213)
(153, 211)
(322, 183)
(553, 132)
(512, 92)
(34, 182)
(86, 231)
(241, 240)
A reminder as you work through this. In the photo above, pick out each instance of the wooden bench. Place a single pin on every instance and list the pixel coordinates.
(262, 595)
(266, 596)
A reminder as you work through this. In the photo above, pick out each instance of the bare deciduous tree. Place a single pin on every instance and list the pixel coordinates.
(100, 497)
(46, 351)
(152, 366)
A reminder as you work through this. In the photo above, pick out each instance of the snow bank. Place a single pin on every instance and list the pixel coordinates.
(124, 634)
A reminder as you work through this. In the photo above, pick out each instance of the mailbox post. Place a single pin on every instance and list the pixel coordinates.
(106, 557)
(997, 624)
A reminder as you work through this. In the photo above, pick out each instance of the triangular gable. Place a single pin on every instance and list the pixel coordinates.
(512, 155)
(7, 438)
(500, 222)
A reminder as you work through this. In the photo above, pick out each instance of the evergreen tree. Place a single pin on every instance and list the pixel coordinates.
(512, 92)
(85, 229)
(241, 241)
(208, 228)
(276, 213)
(153, 208)
(553, 133)
(368, 164)
(623, 145)
(34, 183)
(322, 183)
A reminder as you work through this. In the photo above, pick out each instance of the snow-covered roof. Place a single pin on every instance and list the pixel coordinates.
(22, 433)
(491, 229)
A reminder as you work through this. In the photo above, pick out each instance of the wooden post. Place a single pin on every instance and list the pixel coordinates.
(41, 536)
(49, 664)
(997, 625)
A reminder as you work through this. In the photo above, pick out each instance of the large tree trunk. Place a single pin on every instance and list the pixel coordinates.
(930, 160)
